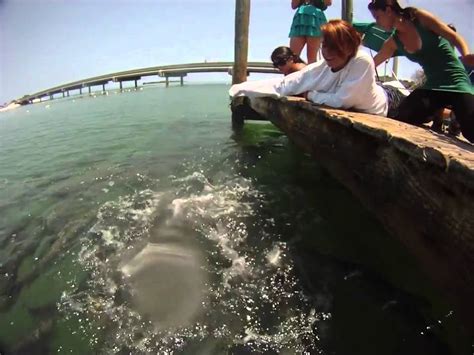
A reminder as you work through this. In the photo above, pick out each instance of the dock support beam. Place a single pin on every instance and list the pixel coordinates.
(136, 86)
(89, 87)
(182, 80)
(80, 91)
(347, 13)
(241, 41)
(167, 81)
(103, 88)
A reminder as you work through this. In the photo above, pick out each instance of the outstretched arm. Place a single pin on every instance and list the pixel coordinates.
(295, 3)
(353, 89)
(389, 47)
(440, 28)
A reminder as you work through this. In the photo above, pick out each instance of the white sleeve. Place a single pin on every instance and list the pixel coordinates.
(358, 81)
(257, 88)
(293, 84)
(302, 80)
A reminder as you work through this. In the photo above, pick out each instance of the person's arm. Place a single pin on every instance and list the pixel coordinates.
(302, 80)
(353, 89)
(388, 49)
(440, 28)
(295, 3)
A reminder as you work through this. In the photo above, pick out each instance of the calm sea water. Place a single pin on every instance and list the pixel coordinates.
(141, 223)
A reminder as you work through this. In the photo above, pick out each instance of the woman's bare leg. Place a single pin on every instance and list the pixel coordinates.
(312, 48)
(297, 44)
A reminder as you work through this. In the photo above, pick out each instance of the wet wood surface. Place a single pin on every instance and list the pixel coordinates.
(419, 184)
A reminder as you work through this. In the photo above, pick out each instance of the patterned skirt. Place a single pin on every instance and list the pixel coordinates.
(307, 21)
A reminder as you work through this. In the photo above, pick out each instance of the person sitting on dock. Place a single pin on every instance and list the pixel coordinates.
(337, 81)
(426, 40)
(286, 61)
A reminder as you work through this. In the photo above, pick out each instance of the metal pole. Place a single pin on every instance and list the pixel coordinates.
(395, 66)
(347, 12)
(241, 41)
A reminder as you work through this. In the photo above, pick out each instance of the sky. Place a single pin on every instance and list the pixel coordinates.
(45, 43)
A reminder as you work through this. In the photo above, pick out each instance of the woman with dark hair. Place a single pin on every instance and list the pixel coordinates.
(305, 28)
(344, 79)
(426, 40)
(286, 61)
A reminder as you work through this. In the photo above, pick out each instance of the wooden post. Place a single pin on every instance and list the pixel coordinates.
(395, 66)
(182, 80)
(103, 88)
(241, 40)
(121, 87)
(347, 13)
(167, 81)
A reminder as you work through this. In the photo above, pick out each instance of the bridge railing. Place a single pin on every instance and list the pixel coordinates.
(137, 74)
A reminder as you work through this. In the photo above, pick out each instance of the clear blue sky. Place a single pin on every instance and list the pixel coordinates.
(44, 43)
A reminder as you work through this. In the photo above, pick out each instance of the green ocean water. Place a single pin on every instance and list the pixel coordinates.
(139, 222)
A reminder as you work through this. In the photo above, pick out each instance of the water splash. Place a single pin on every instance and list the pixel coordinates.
(171, 270)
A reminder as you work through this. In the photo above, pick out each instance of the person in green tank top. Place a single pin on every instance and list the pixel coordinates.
(426, 40)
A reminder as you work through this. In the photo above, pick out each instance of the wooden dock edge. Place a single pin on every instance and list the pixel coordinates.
(418, 183)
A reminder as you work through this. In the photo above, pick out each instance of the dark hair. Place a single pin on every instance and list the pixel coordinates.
(282, 54)
(340, 37)
(408, 13)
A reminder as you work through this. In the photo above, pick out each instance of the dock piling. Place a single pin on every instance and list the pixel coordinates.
(347, 12)
(241, 41)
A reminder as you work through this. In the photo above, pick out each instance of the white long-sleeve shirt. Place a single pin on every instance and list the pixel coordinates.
(353, 87)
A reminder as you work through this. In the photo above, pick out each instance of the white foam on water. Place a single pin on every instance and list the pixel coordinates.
(273, 257)
(230, 290)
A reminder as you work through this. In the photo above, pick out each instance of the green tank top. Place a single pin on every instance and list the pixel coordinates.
(443, 69)
(316, 3)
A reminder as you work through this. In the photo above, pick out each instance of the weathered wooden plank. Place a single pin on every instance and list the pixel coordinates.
(418, 183)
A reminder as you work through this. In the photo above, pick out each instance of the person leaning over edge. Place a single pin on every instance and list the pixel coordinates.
(336, 81)
(286, 61)
(425, 39)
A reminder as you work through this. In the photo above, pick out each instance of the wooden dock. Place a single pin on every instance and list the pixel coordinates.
(418, 183)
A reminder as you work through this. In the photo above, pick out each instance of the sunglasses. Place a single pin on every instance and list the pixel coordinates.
(279, 62)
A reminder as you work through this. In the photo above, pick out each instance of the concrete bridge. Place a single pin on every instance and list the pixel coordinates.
(166, 72)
